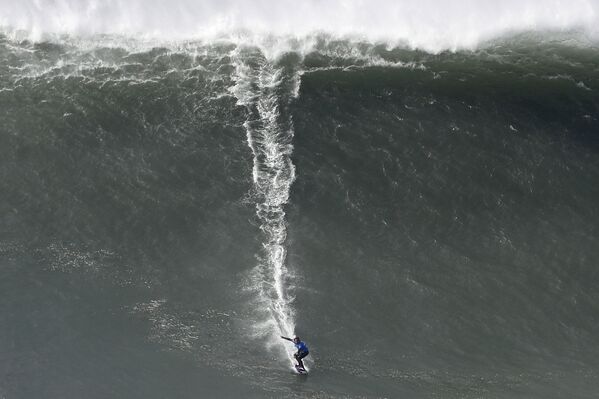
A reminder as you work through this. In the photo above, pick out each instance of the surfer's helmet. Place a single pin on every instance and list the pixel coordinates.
(296, 339)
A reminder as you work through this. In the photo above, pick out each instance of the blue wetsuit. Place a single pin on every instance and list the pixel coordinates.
(301, 346)
(302, 352)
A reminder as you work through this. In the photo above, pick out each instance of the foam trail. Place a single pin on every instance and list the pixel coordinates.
(269, 136)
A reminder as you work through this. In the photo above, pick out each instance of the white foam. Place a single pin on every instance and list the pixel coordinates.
(428, 24)
(273, 173)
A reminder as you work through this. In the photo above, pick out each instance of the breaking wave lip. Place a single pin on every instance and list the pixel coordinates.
(424, 24)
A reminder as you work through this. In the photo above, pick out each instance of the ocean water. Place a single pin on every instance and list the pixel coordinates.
(411, 187)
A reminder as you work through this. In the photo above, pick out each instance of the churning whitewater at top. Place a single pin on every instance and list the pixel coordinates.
(426, 24)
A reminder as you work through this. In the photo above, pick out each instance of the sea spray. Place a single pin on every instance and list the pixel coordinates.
(429, 25)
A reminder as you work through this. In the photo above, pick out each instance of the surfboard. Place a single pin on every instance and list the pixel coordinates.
(300, 370)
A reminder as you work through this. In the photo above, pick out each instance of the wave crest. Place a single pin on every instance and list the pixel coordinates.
(425, 24)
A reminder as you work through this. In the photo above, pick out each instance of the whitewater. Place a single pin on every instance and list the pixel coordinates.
(411, 187)
(429, 25)
(269, 139)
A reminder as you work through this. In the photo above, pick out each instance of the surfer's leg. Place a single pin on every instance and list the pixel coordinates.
(299, 356)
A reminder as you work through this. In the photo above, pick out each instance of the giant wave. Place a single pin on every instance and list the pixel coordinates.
(182, 183)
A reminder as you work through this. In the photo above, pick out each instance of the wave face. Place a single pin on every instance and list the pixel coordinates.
(426, 222)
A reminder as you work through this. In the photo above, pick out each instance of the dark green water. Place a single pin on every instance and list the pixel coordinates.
(434, 217)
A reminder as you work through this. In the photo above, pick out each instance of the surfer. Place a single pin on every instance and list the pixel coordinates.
(302, 350)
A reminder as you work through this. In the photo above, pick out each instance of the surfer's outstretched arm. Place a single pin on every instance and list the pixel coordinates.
(288, 339)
